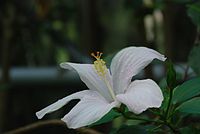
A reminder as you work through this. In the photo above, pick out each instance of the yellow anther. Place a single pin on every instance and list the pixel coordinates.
(98, 56)
(99, 64)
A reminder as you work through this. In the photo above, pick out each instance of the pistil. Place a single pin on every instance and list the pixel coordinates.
(101, 69)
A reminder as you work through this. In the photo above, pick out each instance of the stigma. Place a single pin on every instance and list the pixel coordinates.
(99, 64)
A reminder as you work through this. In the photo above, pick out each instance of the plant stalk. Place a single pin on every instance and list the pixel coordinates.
(169, 103)
(142, 119)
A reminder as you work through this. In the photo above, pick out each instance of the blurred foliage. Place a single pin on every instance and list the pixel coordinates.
(127, 129)
(194, 12)
(193, 59)
(191, 129)
(45, 31)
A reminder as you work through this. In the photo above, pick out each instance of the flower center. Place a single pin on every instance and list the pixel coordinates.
(99, 64)
(101, 69)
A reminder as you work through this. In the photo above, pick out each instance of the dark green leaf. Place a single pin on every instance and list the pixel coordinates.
(194, 13)
(107, 118)
(165, 101)
(193, 59)
(130, 129)
(192, 106)
(186, 91)
(189, 130)
(171, 75)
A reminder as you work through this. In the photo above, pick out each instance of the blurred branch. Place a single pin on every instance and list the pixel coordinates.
(87, 131)
(44, 124)
(34, 126)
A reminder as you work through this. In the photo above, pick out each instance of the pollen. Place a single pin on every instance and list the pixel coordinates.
(99, 64)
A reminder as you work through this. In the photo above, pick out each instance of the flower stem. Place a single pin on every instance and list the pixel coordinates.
(167, 116)
(169, 104)
(172, 128)
(161, 122)
(142, 119)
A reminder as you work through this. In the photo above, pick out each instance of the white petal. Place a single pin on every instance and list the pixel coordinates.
(60, 103)
(128, 62)
(142, 94)
(89, 110)
(90, 77)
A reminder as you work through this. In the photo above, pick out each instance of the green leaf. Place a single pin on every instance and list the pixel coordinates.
(190, 130)
(186, 91)
(107, 118)
(130, 129)
(171, 75)
(192, 106)
(193, 59)
(194, 13)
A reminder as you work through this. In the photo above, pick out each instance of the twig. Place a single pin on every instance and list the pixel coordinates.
(41, 124)
(36, 125)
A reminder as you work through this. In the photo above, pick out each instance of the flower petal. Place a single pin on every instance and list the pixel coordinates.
(89, 110)
(141, 94)
(128, 62)
(90, 77)
(60, 103)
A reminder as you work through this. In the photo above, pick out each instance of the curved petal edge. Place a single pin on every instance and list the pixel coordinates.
(141, 95)
(89, 110)
(129, 62)
(60, 103)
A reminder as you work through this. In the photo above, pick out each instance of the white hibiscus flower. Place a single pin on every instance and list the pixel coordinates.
(108, 88)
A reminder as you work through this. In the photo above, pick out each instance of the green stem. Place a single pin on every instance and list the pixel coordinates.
(172, 113)
(154, 121)
(172, 128)
(169, 103)
(153, 129)
(143, 119)
(156, 113)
